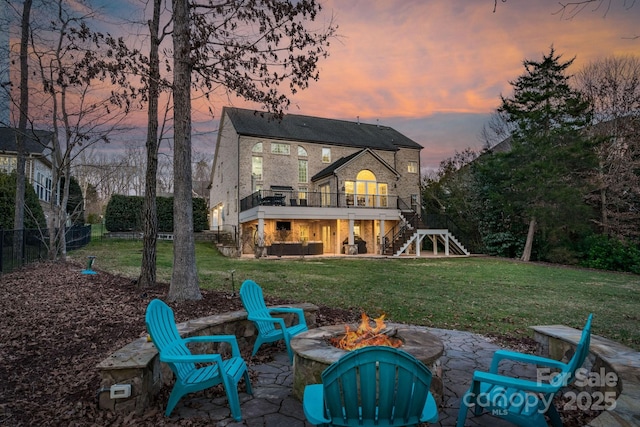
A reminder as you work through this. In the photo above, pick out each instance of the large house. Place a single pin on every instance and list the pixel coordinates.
(38, 167)
(310, 185)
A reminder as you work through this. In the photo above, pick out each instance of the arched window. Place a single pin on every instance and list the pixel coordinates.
(366, 190)
(257, 148)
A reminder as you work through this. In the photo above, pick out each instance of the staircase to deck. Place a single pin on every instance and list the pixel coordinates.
(413, 230)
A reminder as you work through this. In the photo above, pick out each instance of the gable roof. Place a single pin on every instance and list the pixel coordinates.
(317, 130)
(329, 170)
(37, 141)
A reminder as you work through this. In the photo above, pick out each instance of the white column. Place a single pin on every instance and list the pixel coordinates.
(446, 244)
(351, 225)
(382, 233)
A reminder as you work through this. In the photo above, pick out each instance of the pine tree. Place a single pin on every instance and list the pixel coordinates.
(541, 181)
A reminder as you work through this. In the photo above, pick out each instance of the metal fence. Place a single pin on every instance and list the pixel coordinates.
(35, 245)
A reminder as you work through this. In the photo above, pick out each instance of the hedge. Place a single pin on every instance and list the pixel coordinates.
(124, 213)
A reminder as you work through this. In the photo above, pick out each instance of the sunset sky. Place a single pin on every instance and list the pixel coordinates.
(434, 69)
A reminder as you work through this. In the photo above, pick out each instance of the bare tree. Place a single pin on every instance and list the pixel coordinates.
(568, 10)
(149, 214)
(18, 221)
(248, 49)
(184, 278)
(612, 86)
(84, 107)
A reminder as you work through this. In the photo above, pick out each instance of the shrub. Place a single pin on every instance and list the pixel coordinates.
(124, 213)
(33, 214)
(608, 253)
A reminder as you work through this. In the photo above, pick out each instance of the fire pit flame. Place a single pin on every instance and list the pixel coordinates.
(367, 335)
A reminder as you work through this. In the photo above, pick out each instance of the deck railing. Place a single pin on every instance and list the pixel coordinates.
(317, 199)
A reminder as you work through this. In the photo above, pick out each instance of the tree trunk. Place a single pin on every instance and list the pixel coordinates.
(526, 254)
(18, 219)
(184, 280)
(150, 215)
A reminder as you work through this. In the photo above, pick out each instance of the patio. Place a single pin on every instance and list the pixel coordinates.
(273, 405)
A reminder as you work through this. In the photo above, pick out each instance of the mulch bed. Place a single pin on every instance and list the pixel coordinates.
(58, 324)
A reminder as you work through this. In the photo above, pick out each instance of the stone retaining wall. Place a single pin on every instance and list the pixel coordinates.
(617, 370)
(138, 363)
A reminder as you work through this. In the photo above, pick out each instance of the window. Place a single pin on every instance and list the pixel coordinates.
(382, 195)
(325, 195)
(42, 186)
(304, 233)
(412, 167)
(349, 191)
(7, 164)
(277, 148)
(326, 155)
(366, 191)
(302, 171)
(283, 225)
(256, 168)
(302, 193)
(257, 148)
(302, 152)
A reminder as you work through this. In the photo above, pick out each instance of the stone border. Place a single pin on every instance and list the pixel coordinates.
(559, 342)
(138, 364)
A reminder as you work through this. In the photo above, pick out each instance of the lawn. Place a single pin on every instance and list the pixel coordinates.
(480, 294)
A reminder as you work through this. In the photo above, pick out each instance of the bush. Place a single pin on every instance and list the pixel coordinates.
(33, 214)
(200, 221)
(607, 253)
(124, 213)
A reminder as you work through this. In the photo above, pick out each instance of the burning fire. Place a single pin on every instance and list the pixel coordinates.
(366, 335)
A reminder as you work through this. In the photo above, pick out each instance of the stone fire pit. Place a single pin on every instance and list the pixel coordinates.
(313, 354)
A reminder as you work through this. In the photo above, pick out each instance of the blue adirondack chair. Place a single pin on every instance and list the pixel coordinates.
(269, 328)
(520, 401)
(372, 386)
(195, 372)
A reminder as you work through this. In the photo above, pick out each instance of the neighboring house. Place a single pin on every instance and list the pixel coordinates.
(38, 167)
(310, 185)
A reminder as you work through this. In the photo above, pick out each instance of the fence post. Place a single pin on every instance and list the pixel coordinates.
(1, 248)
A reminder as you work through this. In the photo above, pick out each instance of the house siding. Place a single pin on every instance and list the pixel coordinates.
(224, 180)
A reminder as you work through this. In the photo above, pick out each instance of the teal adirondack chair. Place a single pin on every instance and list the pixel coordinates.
(372, 386)
(195, 372)
(269, 328)
(520, 401)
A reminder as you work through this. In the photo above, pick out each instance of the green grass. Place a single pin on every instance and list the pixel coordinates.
(484, 295)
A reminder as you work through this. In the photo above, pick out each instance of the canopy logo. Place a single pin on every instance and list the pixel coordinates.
(499, 399)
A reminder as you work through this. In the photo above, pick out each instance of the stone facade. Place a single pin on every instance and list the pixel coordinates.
(317, 205)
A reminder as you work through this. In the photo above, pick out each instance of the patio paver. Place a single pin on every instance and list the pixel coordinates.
(272, 404)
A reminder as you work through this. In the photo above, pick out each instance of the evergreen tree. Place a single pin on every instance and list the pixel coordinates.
(34, 215)
(75, 205)
(540, 183)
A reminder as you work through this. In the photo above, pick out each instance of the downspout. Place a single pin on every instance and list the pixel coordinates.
(337, 190)
(239, 226)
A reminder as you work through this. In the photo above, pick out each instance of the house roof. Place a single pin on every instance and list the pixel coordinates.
(317, 130)
(37, 141)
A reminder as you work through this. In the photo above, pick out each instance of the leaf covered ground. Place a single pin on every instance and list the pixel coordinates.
(58, 324)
